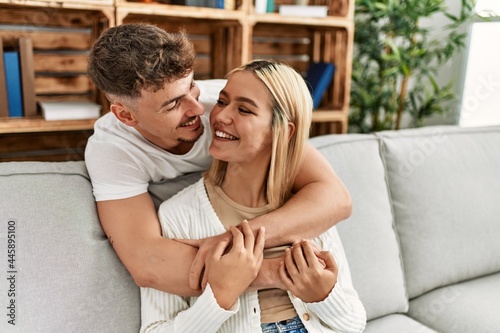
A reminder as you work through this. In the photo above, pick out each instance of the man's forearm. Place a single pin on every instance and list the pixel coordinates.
(133, 229)
(268, 276)
(165, 266)
(313, 210)
(321, 200)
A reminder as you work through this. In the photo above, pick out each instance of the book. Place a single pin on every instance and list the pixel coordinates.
(303, 10)
(270, 6)
(229, 4)
(319, 76)
(70, 110)
(4, 107)
(13, 83)
(260, 6)
(192, 3)
(27, 76)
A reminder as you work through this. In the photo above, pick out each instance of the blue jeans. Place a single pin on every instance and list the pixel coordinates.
(293, 325)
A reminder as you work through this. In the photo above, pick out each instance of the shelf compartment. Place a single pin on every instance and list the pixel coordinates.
(61, 40)
(44, 146)
(300, 45)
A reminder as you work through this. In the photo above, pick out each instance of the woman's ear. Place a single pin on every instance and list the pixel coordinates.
(291, 129)
(123, 114)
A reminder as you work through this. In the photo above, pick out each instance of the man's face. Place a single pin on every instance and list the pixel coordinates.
(170, 117)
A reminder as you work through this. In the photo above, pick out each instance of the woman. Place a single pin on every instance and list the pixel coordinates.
(260, 126)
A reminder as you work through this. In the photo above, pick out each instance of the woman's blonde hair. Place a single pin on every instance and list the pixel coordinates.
(291, 102)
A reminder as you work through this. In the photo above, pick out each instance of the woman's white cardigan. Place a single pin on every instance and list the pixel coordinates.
(189, 215)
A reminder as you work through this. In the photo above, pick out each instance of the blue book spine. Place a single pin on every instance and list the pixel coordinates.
(13, 83)
(319, 76)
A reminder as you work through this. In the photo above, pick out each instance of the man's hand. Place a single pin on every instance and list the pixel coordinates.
(307, 277)
(206, 248)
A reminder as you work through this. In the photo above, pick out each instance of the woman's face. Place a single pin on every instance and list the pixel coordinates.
(241, 121)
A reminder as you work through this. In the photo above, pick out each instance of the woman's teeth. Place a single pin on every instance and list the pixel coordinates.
(224, 135)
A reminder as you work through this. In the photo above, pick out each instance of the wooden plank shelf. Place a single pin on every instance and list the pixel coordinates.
(329, 21)
(38, 124)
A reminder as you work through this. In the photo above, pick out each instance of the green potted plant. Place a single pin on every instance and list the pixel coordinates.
(396, 60)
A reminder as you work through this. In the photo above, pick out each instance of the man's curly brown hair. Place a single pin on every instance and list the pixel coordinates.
(131, 57)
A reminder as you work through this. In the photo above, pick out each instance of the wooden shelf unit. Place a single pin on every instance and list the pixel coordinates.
(223, 40)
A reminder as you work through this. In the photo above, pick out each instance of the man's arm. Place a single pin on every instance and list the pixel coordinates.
(321, 200)
(133, 229)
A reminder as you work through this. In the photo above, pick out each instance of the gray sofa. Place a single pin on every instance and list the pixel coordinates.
(423, 241)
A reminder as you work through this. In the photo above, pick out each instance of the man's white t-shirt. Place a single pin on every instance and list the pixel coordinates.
(122, 163)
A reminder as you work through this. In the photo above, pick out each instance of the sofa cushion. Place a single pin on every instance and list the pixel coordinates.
(445, 189)
(65, 276)
(472, 306)
(162, 191)
(396, 323)
(368, 236)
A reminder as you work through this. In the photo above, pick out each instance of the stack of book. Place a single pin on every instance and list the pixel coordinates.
(303, 10)
(17, 80)
(70, 110)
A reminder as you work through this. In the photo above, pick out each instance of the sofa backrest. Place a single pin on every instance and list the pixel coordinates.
(445, 189)
(425, 209)
(368, 236)
(63, 276)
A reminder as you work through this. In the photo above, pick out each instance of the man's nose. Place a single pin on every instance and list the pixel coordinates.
(195, 108)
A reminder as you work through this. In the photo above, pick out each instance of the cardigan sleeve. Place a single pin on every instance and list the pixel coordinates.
(341, 310)
(164, 312)
(167, 313)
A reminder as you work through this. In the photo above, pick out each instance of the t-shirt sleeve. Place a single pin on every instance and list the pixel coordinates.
(114, 173)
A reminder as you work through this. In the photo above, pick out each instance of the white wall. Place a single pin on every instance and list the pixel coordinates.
(475, 71)
(453, 70)
(481, 87)
(481, 90)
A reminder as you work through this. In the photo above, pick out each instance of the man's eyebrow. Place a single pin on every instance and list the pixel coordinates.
(167, 102)
(240, 99)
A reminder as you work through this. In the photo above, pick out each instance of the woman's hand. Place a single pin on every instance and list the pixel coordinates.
(308, 275)
(229, 274)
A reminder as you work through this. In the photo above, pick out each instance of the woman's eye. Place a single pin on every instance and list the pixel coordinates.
(245, 111)
(221, 102)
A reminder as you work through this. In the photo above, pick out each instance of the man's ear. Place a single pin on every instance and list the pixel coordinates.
(291, 129)
(123, 114)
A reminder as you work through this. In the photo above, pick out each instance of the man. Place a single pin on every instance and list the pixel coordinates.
(158, 129)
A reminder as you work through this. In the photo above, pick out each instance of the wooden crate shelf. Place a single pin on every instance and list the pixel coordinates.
(223, 39)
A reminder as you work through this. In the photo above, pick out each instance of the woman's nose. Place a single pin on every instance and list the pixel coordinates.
(224, 115)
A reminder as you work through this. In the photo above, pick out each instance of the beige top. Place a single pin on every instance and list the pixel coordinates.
(275, 305)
